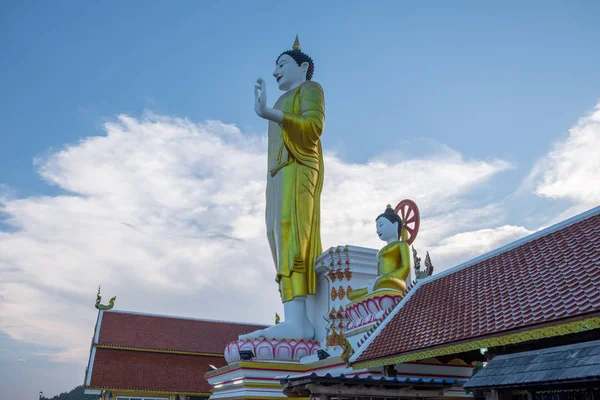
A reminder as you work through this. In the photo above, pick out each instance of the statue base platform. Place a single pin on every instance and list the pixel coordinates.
(371, 308)
(272, 349)
(261, 379)
(332, 313)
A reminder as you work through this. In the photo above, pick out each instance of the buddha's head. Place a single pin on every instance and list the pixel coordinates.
(389, 225)
(293, 67)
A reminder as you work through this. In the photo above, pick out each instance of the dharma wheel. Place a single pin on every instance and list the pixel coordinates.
(411, 219)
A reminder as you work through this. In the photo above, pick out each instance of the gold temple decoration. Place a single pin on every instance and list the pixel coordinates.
(331, 274)
(332, 313)
(534, 334)
(296, 45)
(393, 261)
(348, 273)
(338, 339)
(341, 293)
(330, 339)
(277, 319)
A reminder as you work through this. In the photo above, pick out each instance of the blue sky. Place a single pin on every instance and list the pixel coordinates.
(490, 80)
(492, 92)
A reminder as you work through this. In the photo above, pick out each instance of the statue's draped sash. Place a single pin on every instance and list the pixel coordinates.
(295, 182)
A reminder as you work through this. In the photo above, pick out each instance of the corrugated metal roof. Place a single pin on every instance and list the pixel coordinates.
(366, 380)
(576, 362)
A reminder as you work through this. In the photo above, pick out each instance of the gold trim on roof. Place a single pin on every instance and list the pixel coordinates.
(190, 353)
(129, 392)
(237, 397)
(513, 338)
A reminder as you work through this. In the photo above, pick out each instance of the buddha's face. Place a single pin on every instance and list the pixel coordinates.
(387, 231)
(288, 73)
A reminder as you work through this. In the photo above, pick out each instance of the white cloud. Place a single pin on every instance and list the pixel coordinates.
(571, 170)
(168, 215)
(464, 246)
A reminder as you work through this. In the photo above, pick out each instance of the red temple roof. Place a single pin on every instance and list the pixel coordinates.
(157, 332)
(549, 277)
(156, 353)
(145, 371)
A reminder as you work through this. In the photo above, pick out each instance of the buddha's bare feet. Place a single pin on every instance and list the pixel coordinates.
(297, 325)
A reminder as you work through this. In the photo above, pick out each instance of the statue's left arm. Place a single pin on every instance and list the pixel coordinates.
(303, 130)
(404, 270)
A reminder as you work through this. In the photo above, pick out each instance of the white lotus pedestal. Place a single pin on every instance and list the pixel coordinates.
(272, 349)
(372, 308)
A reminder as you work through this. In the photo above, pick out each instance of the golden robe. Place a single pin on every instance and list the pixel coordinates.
(294, 185)
(393, 267)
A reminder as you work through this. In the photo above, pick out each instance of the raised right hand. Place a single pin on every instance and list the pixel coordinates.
(260, 98)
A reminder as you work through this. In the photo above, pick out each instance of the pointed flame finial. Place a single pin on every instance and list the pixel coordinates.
(296, 45)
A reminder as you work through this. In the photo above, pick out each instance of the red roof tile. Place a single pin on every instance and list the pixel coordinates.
(551, 277)
(139, 370)
(156, 332)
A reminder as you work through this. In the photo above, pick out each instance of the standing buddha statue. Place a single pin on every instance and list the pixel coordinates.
(294, 184)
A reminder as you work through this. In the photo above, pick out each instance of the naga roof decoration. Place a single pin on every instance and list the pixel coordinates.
(544, 285)
(428, 271)
(100, 306)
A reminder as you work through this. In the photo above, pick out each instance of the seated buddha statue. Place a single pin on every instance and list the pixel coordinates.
(393, 260)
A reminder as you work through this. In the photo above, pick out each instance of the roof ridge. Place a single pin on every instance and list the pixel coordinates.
(182, 317)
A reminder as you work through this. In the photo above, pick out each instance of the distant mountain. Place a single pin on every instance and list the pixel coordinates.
(75, 394)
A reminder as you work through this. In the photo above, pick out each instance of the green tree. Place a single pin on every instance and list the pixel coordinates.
(75, 394)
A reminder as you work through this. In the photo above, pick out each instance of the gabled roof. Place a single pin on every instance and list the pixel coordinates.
(157, 353)
(159, 332)
(550, 277)
(557, 365)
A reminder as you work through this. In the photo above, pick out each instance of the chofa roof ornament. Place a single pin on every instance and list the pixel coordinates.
(99, 306)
